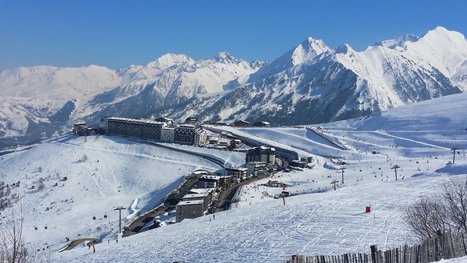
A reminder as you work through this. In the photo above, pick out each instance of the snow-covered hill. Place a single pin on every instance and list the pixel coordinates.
(68, 187)
(312, 83)
(103, 172)
(317, 220)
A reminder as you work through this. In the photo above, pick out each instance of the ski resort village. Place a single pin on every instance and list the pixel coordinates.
(318, 155)
(266, 193)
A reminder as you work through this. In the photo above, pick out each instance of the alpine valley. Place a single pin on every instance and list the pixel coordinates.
(311, 83)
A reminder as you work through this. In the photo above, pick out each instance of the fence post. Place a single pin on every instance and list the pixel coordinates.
(423, 254)
(417, 252)
(451, 249)
(404, 257)
(439, 246)
(380, 256)
(374, 256)
(463, 243)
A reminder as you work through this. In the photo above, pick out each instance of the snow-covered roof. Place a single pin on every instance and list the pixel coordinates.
(264, 148)
(138, 121)
(191, 202)
(237, 168)
(201, 172)
(194, 196)
(202, 190)
(212, 177)
(256, 163)
(187, 126)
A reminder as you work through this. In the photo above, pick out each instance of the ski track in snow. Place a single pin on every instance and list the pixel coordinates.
(411, 140)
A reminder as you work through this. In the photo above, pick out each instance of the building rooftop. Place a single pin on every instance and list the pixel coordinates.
(194, 196)
(236, 169)
(298, 161)
(262, 150)
(137, 121)
(202, 190)
(186, 126)
(211, 177)
(191, 202)
(256, 163)
(201, 172)
(265, 148)
(164, 119)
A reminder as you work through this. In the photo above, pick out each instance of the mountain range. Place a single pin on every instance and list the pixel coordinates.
(311, 83)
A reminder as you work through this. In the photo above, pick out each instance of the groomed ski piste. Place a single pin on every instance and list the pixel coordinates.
(70, 186)
(315, 219)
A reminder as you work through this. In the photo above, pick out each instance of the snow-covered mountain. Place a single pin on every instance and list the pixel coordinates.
(312, 83)
(168, 81)
(103, 172)
(39, 101)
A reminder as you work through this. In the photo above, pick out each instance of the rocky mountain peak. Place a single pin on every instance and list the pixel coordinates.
(307, 50)
(225, 57)
(168, 60)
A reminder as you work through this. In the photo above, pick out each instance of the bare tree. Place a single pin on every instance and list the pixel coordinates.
(12, 245)
(455, 200)
(426, 217)
(446, 212)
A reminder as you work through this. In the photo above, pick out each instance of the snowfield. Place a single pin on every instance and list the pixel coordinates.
(317, 220)
(101, 174)
(69, 187)
(264, 230)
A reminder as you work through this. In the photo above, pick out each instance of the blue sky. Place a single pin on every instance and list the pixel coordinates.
(118, 33)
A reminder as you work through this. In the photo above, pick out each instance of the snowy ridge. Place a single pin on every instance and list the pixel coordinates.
(313, 84)
(46, 82)
(317, 220)
(303, 53)
(48, 99)
(310, 83)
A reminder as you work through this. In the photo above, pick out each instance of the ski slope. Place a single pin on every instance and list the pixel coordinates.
(264, 230)
(316, 219)
(101, 174)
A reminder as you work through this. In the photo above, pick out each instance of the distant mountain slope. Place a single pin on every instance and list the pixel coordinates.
(40, 101)
(312, 83)
(444, 113)
(52, 83)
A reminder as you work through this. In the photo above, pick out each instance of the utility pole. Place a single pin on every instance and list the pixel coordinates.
(395, 170)
(454, 154)
(119, 208)
(334, 183)
(342, 171)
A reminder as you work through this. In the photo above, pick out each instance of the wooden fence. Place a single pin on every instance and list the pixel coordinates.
(444, 246)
